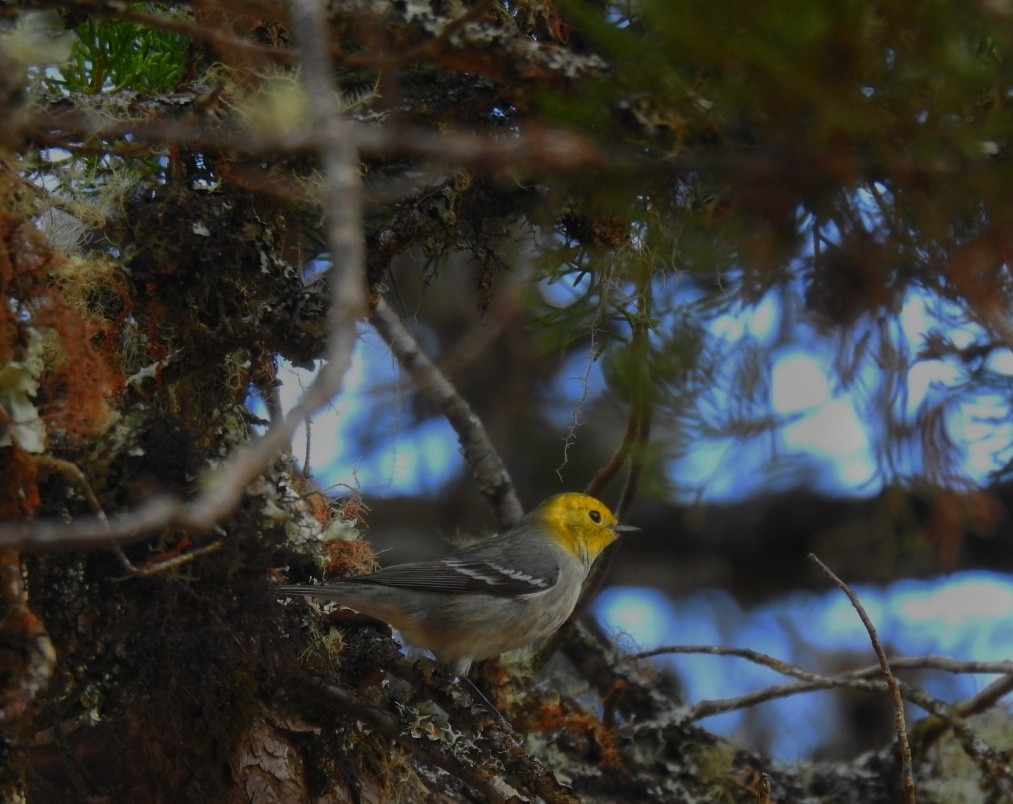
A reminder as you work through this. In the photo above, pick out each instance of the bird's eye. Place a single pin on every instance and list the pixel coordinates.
(595, 516)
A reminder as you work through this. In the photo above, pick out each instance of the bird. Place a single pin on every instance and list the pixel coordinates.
(498, 595)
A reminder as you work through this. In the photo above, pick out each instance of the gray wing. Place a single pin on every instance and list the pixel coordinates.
(480, 568)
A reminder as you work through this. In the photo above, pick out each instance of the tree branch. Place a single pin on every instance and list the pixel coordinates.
(486, 465)
(943, 716)
(427, 750)
(533, 148)
(907, 770)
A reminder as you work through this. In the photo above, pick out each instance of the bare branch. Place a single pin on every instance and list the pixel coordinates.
(930, 729)
(986, 698)
(898, 704)
(487, 467)
(158, 565)
(897, 663)
(991, 761)
(943, 716)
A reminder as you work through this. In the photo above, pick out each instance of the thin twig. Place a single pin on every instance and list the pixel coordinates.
(719, 706)
(72, 471)
(615, 463)
(486, 465)
(638, 427)
(942, 717)
(930, 729)
(641, 394)
(898, 663)
(992, 763)
(907, 769)
(155, 566)
(986, 698)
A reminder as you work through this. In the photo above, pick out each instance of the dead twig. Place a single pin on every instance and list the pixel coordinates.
(814, 681)
(73, 472)
(907, 770)
(943, 716)
(897, 663)
(486, 465)
(928, 730)
(156, 566)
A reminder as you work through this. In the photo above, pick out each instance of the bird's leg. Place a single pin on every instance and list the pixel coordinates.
(482, 697)
(459, 681)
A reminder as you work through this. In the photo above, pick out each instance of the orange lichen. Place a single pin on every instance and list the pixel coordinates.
(320, 507)
(349, 557)
(19, 492)
(78, 380)
(553, 716)
(354, 509)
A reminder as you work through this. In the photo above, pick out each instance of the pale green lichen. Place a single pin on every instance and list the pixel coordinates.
(19, 382)
(956, 778)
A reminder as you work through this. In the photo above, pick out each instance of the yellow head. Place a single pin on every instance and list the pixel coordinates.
(580, 524)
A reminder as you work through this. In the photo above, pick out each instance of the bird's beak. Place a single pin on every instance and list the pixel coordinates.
(625, 528)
